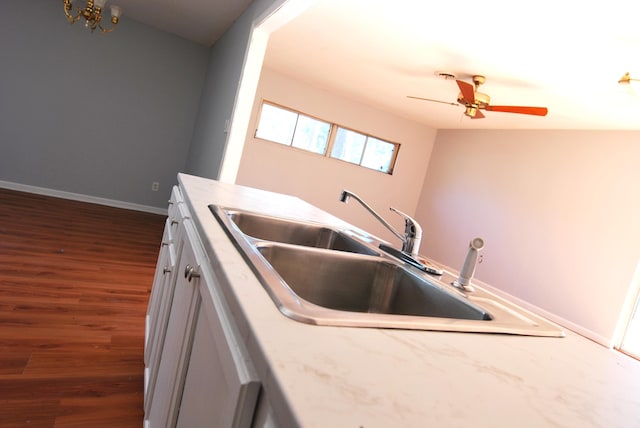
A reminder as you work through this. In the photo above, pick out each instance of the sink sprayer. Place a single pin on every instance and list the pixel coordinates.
(469, 266)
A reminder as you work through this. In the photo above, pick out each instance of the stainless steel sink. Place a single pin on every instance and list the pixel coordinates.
(364, 284)
(297, 233)
(324, 275)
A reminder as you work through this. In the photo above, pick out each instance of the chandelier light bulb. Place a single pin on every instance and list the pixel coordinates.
(116, 11)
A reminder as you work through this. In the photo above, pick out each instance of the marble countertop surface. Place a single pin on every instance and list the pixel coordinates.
(319, 376)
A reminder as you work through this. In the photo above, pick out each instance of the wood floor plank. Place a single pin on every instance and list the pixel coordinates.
(28, 413)
(75, 280)
(13, 361)
(91, 412)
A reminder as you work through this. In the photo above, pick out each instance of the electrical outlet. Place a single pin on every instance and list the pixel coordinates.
(155, 186)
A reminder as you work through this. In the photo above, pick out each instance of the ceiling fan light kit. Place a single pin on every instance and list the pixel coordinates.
(627, 79)
(474, 101)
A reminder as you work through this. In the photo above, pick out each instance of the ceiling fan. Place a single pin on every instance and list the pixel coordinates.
(474, 101)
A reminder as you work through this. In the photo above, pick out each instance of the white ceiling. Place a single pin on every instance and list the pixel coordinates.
(202, 21)
(565, 55)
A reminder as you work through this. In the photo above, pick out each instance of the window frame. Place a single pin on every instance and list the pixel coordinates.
(392, 161)
(331, 138)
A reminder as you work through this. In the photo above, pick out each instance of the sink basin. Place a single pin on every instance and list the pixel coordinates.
(371, 285)
(325, 275)
(295, 232)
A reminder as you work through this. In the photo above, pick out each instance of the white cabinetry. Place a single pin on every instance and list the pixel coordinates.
(199, 372)
(221, 387)
(162, 293)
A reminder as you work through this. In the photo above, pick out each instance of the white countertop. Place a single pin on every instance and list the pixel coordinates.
(362, 377)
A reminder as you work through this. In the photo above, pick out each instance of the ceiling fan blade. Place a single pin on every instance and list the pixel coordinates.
(478, 115)
(468, 92)
(536, 111)
(435, 101)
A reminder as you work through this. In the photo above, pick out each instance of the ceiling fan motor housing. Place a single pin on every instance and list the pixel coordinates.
(481, 100)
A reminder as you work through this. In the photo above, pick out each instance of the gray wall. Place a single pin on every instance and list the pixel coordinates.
(98, 115)
(219, 96)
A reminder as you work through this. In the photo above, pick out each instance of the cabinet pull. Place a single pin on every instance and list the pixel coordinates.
(190, 272)
(166, 270)
(174, 221)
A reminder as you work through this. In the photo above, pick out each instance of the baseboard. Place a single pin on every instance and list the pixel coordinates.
(80, 197)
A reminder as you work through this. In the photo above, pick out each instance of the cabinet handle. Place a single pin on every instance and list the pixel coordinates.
(174, 221)
(190, 272)
(165, 243)
(166, 270)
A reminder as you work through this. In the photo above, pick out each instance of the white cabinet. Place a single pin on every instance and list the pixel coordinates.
(162, 294)
(163, 280)
(221, 387)
(175, 350)
(203, 375)
(263, 417)
(164, 272)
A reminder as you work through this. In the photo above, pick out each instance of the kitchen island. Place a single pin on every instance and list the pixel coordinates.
(319, 376)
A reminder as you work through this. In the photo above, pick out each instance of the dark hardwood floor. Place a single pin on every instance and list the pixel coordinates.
(74, 285)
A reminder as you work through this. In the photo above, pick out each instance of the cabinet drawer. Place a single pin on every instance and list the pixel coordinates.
(174, 201)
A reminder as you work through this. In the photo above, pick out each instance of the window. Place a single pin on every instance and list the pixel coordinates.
(311, 134)
(363, 150)
(276, 124)
(348, 146)
(291, 128)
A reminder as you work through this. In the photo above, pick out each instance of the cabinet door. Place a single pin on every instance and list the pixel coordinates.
(173, 212)
(173, 353)
(161, 300)
(163, 271)
(164, 268)
(158, 314)
(263, 417)
(221, 386)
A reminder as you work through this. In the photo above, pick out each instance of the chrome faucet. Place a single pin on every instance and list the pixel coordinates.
(412, 230)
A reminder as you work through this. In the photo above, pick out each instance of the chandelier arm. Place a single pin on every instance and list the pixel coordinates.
(114, 22)
(67, 11)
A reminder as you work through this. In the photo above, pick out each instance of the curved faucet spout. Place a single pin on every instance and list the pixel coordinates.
(413, 231)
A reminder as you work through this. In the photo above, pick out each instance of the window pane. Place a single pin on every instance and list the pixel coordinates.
(311, 134)
(348, 146)
(276, 124)
(378, 154)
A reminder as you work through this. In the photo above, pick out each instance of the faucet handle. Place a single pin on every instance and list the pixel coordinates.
(411, 227)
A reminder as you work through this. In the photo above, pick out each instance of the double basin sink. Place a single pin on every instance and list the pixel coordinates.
(326, 275)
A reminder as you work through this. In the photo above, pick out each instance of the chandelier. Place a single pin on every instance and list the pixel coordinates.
(92, 13)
